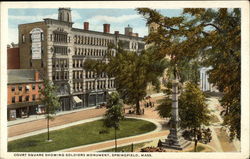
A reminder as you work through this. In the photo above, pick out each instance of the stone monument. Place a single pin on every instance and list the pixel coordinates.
(175, 139)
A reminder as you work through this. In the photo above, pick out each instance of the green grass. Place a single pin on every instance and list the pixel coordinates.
(83, 134)
(200, 148)
(126, 148)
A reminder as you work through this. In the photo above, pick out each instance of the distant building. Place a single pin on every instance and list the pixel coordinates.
(204, 76)
(23, 93)
(58, 51)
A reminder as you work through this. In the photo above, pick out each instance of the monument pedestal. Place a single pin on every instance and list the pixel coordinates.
(175, 140)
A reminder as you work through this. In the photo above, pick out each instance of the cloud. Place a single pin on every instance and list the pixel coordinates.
(75, 16)
(112, 19)
(34, 18)
(12, 35)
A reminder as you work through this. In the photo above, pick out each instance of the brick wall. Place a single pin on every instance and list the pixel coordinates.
(16, 93)
(13, 58)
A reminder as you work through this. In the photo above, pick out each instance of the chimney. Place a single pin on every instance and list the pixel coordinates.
(36, 76)
(116, 32)
(86, 25)
(106, 28)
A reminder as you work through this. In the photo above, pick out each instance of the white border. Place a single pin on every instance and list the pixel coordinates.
(244, 5)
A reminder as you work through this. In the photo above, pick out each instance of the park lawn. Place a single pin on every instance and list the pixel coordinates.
(83, 134)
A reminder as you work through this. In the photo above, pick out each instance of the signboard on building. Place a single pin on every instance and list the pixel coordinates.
(36, 38)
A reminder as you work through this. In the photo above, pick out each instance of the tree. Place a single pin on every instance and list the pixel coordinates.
(114, 114)
(211, 36)
(132, 72)
(51, 102)
(192, 109)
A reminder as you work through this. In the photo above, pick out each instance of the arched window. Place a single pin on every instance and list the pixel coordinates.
(68, 17)
(61, 16)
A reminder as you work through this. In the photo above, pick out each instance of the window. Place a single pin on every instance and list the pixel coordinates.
(40, 86)
(42, 50)
(30, 63)
(13, 88)
(23, 38)
(20, 98)
(53, 76)
(27, 88)
(33, 97)
(42, 36)
(13, 99)
(30, 37)
(33, 86)
(27, 98)
(20, 88)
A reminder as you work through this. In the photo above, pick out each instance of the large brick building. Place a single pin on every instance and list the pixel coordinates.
(23, 93)
(58, 51)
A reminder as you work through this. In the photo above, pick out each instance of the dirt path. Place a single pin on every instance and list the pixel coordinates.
(31, 126)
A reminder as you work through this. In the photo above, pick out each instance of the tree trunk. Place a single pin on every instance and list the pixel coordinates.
(195, 141)
(48, 127)
(115, 142)
(138, 107)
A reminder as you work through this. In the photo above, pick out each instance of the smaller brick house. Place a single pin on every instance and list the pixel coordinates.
(23, 93)
(13, 58)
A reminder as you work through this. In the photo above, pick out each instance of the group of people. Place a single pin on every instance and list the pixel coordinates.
(149, 104)
(205, 135)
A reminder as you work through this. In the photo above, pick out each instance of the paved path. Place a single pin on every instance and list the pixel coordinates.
(217, 141)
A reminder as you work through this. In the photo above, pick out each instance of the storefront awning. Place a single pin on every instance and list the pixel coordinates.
(77, 99)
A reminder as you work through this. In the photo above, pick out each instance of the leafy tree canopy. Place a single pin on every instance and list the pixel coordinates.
(212, 36)
(132, 72)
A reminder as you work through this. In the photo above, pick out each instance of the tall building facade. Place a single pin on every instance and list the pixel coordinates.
(58, 51)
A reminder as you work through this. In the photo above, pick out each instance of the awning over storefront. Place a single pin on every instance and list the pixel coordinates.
(28, 87)
(77, 99)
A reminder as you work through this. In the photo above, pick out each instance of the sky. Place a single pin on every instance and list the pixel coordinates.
(117, 18)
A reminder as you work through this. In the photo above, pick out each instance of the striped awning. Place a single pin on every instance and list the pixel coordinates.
(77, 99)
